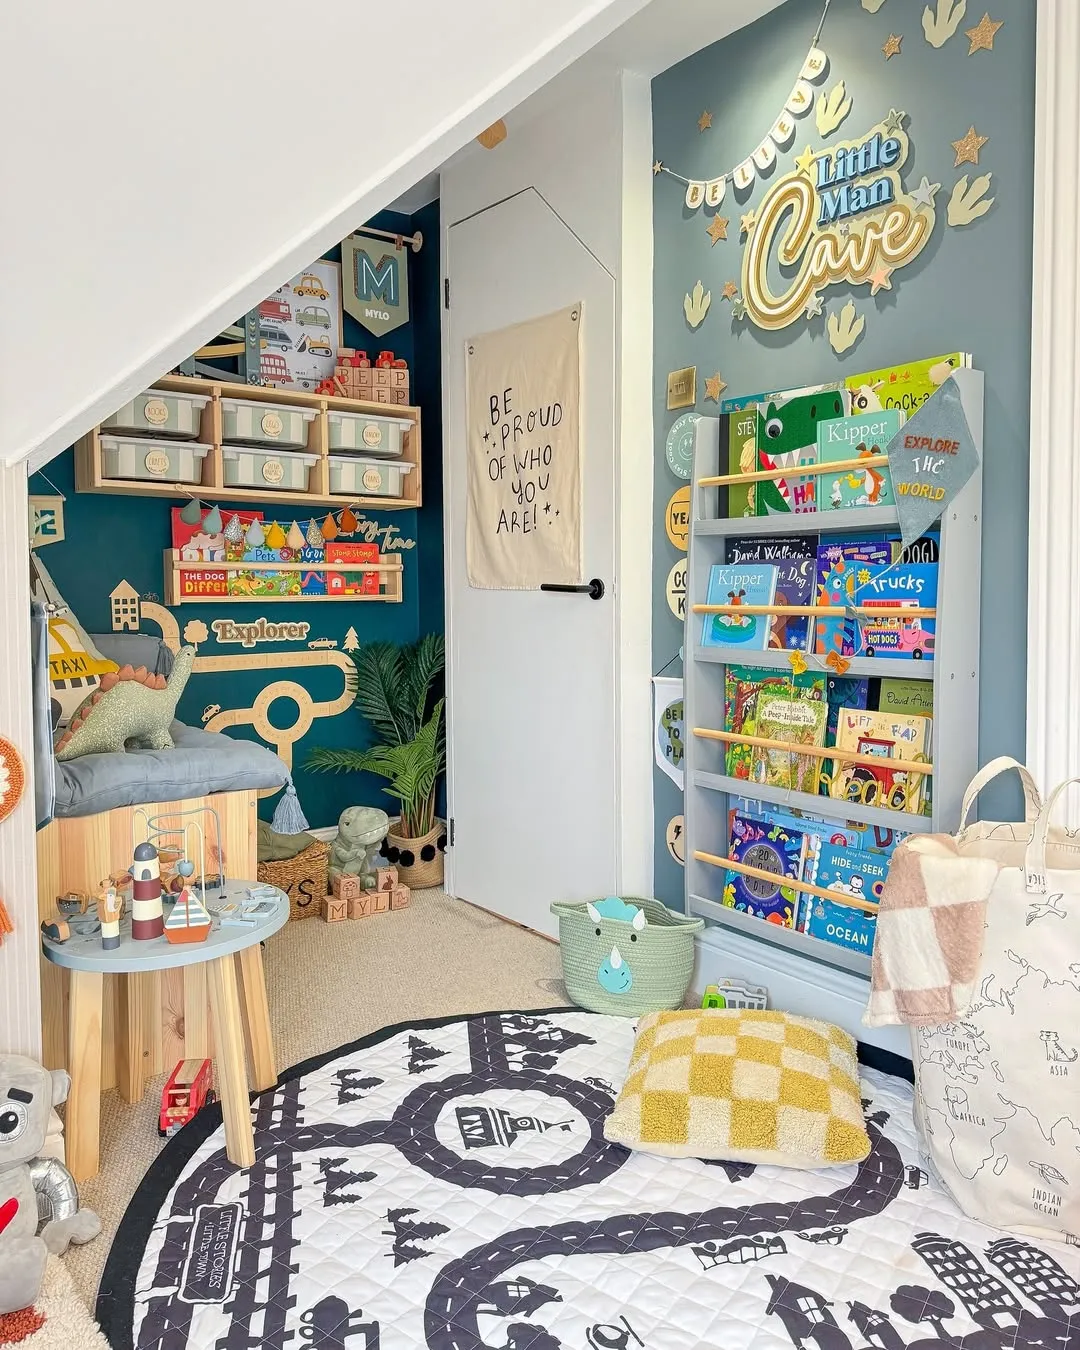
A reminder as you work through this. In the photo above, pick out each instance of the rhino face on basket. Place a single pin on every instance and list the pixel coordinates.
(614, 974)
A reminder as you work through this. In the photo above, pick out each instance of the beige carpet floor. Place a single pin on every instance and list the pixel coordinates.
(329, 984)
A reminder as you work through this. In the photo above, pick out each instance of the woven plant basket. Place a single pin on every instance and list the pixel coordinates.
(302, 878)
(659, 957)
(421, 869)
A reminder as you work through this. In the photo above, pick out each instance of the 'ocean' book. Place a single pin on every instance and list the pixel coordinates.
(795, 559)
(858, 438)
(738, 585)
(840, 924)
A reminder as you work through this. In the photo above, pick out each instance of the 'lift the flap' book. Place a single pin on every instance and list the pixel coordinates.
(770, 848)
(737, 585)
(795, 559)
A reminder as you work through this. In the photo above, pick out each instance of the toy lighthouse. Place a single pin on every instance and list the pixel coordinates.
(147, 915)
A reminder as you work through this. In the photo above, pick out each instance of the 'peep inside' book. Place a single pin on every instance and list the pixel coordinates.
(737, 585)
(791, 715)
(858, 439)
(770, 848)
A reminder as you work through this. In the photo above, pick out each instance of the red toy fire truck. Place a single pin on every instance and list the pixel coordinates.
(185, 1094)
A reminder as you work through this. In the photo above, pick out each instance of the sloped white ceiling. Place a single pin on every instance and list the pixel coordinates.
(166, 166)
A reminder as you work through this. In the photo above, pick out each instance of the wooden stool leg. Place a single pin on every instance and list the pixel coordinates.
(196, 1019)
(257, 1017)
(133, 1037)
(231, 1073)
(83, 1116)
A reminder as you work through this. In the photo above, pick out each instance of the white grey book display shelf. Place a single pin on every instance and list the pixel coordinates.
(954, 671)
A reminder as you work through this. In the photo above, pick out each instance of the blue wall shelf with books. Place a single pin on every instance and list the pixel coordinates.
(831, 686)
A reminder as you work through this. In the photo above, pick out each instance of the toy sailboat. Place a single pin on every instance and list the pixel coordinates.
(189, 920)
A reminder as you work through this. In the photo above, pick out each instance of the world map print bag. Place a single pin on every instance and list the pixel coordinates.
(997, 1104)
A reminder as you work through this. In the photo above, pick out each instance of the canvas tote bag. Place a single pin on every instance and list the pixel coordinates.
(998, 1091)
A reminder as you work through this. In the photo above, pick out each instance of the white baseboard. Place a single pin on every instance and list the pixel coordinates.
(794, 984)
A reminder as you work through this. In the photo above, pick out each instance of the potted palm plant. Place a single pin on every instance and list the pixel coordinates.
(397, 692)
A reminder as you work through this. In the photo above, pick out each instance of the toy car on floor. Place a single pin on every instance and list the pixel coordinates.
(185, 1094)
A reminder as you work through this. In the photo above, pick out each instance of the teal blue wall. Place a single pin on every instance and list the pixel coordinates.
(109, 538)
(970, 290)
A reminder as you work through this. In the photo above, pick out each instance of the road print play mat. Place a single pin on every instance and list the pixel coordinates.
(448, 1186)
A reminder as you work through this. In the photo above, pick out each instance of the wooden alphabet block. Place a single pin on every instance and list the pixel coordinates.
(380, 377)
(382, 901)
(386, 878)
(363, 907)
(346, 886)
(400, 897)
(336, 909)
(399, 395)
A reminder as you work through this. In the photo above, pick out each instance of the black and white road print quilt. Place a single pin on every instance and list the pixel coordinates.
(448, 1186)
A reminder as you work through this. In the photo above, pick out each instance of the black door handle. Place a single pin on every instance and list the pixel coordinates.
(593, 589)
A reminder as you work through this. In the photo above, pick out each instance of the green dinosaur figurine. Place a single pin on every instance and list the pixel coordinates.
(128, 708)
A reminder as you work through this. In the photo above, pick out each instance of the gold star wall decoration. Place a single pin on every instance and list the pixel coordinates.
(981, 36)
(717, 229)
(967, 147)
(730, 290)
(657, 168)
(803, 161)
(747, 222)
(714, 386)
(704, 122)
(892, 46)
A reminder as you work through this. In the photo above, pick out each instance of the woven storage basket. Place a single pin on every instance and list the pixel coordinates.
(421, 871)
(302, 878)
(660, 957)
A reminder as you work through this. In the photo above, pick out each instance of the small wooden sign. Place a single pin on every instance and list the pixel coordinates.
(46, 521)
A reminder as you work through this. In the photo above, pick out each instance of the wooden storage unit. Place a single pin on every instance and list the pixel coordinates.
(89, 476)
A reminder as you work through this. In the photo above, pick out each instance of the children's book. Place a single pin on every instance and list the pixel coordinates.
(771, 848)
(905, 387)
(739, 584)
(821, 830)
(742, 687)
(854, 439)
(913, 697)
(795, 559)
(787, 437)
(742, 451)
(352, 583)
(886, 736)
(842, 691)
(787, 714)
(851, 871)
(839, 924)
(892, 589)
(838, 566)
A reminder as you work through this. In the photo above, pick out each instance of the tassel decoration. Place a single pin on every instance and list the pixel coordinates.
(288, 817)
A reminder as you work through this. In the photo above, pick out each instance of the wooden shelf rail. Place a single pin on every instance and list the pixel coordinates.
(759, 873)
(817, 751)
(881, 611)
(794, 471)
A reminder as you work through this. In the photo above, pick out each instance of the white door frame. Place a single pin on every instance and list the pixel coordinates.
(1053, 650)
(525, 160)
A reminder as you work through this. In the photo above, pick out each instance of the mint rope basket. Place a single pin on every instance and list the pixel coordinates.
(611, 967)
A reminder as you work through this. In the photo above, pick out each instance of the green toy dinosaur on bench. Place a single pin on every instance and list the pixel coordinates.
(129, 709)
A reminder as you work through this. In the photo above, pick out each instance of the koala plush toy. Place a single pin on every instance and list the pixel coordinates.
(39, 1210)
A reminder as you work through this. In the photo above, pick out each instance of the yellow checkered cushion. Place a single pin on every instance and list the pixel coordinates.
(762, 1087)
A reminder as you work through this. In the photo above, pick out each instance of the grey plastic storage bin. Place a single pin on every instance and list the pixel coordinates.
(173, 461)
(654, 963)
(367, 432)
(159, 412)
(247, 423)
(367, 477)
(283, 471)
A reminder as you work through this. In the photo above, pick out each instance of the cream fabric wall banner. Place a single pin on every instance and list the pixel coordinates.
(523, 525)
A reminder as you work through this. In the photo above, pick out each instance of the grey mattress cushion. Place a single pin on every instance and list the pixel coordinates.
(200, 762)
(135, 649)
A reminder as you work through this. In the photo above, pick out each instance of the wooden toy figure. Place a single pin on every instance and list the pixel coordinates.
(147, 913)
(109, 909)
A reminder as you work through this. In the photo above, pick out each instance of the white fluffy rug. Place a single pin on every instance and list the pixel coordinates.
(67, 1324)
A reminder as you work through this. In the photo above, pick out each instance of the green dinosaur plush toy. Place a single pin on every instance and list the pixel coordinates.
(130, 709)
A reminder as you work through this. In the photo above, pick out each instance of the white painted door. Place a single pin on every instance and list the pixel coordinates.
(531, 774)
